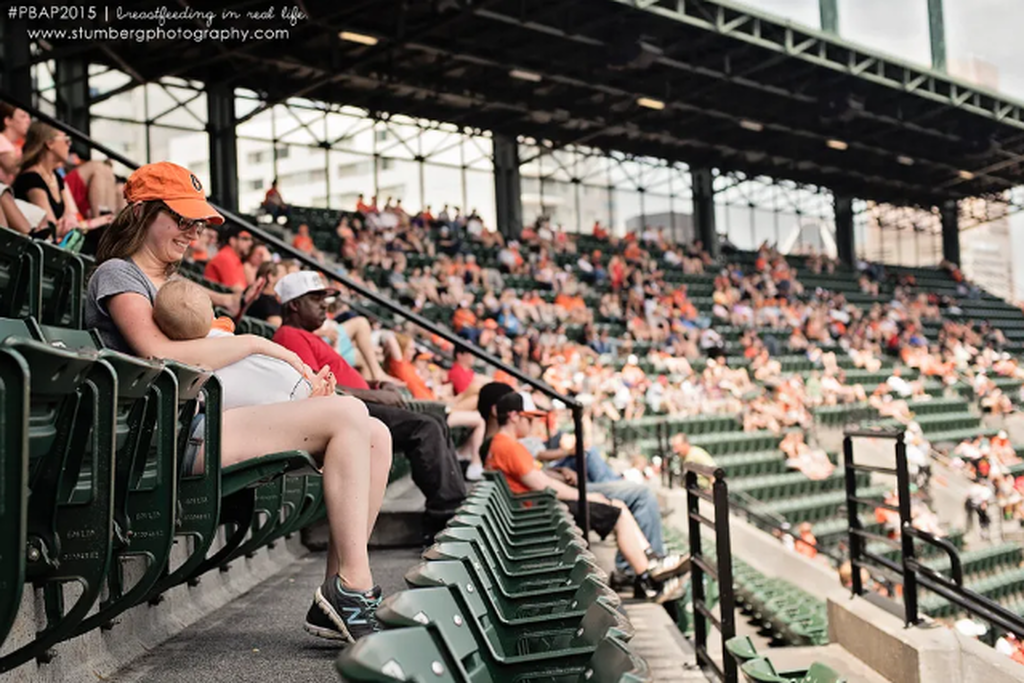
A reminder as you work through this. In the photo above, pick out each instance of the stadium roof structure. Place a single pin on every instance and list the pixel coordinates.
(706, 82)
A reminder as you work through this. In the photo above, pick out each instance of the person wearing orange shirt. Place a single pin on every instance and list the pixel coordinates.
(599, 231)
(507, 455)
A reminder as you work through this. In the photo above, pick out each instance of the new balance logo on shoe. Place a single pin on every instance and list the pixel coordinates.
(353, 616)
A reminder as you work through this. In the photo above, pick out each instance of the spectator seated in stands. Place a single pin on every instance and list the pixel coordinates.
(654, 574)
(226, 267)
(137, 258)
(401, 361)
(349, 333)
(304, 243)
(93, 186)
(274, 204)
(423, 438)
(47, 149)
(16, 123)
(813, 462)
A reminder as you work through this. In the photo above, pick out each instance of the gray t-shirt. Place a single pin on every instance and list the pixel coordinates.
(111, 278)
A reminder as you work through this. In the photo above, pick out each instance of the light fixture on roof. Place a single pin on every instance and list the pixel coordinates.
(360, 38)
(525, 75)
(838, 145)
(905, 160)
(650, 103)
(966, 175)
(747, 124)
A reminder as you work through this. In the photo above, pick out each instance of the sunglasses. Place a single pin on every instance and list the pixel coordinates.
(187, 224)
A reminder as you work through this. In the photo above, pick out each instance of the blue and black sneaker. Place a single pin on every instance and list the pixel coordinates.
(340, 614)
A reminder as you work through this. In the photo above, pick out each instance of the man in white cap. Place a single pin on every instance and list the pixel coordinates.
(423, 438)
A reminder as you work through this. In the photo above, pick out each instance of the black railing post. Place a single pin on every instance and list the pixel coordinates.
(582, 511)
(852, 516)
(700, 626)
(906, 537)
(720, 571)
(726, 596)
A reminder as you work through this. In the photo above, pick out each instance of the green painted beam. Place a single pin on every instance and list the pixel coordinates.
(937, 33)
(830, 15)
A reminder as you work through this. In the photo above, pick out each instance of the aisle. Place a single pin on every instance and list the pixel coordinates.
(259, 637)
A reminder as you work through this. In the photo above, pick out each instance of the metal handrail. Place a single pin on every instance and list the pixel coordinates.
(583, 515)
(720, 572)
(913, 572)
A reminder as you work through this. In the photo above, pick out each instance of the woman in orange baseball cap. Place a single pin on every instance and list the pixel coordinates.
(139, 253)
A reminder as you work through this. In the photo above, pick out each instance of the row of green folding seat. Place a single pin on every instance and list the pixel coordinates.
(833, 531)
(936, 423)
(89, 462)
(982, 560)
(40, 280)
(955, 436)
(819, 506)
(736, 442)
(788, 612)
(757, 669)
(773, 487)
(737, 465)
(508, 591)
(844, 413)
(684, 424)
(893, 551)
(1007, 586)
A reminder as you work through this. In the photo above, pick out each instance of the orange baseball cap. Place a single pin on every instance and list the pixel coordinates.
(177, 187)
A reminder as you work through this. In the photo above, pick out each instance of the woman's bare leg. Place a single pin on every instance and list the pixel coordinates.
(99, 179)
(336, 430)
(380, 467)
(358, 330)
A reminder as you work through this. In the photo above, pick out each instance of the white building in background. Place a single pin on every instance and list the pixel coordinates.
(986, 251)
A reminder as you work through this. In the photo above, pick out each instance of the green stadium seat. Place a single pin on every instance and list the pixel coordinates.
(509, 652)
(560, 610)
(543, 584)
(14, 416)
(404, 655)
(417, 654)
(72, 408)
(63, 280)
(145, 469)
(21, 268)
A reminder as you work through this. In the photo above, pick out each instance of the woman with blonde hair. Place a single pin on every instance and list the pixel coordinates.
(140, 253)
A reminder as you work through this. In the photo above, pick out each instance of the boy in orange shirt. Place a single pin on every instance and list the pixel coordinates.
(513, 460)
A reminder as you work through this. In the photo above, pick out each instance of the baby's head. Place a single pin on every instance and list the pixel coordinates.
(183, 310)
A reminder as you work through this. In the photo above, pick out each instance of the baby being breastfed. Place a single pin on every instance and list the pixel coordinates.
(183, 311)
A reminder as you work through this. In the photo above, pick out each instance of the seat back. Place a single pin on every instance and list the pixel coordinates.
(436, 606)
(63, 277)
(14, 404)
(613, 662)
(21, 263)
(406, 655)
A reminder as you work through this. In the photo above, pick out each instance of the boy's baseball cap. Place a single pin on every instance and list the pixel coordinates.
(175, 186)
(304, 282)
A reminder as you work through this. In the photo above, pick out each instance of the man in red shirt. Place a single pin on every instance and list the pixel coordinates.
(423, 438)
(461, 375)
(226, 267)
